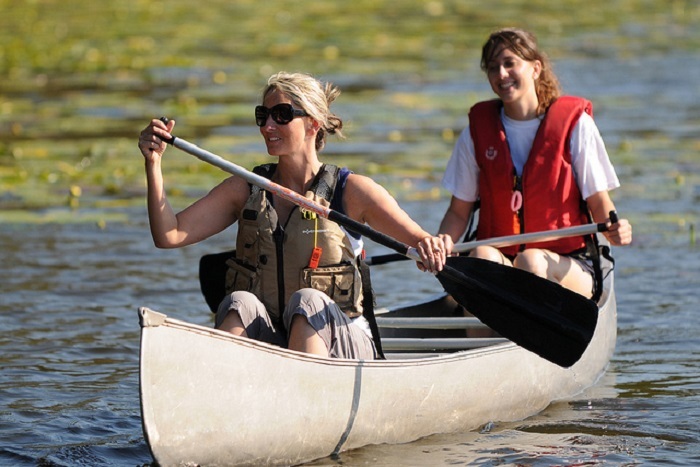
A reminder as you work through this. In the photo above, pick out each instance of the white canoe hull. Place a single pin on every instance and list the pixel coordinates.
(209, 398)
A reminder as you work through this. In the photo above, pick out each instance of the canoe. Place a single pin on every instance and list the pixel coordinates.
(210, 398)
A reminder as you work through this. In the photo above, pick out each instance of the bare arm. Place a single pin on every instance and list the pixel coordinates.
(455, 222)
(368, 202)
(204, 218)
(600, 205)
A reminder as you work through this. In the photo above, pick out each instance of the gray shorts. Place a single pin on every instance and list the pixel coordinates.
(586, 264)
(343, 337)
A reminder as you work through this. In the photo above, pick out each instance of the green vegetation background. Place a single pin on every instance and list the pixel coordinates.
(79, 79)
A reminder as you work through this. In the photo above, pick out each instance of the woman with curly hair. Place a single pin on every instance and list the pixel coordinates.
(531, 160)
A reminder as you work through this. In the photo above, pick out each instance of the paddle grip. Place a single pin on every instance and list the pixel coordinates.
(613, 217)
(166, 120)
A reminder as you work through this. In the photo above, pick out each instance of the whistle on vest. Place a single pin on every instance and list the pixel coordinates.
(315, 257)
(516, 202)
(317, 251)
(308, 215)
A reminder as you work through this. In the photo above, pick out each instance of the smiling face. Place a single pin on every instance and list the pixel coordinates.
(295, 137)
(513, 79)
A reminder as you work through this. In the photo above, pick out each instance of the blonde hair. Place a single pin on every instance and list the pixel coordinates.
(524, 44)
(311, 95)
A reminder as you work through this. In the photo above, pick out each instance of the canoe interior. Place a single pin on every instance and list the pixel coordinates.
(398, 342)
(416, 341)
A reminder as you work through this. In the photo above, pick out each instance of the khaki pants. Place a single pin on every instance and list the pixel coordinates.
(343, 337)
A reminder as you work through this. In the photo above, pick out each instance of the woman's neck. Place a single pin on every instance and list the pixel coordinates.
(296, 176)
(521, 109)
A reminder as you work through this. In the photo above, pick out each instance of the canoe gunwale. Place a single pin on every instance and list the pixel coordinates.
(152, 318)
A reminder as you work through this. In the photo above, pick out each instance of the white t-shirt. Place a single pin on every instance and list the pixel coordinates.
(592, 167)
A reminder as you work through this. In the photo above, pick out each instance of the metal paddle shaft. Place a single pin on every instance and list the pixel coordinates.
(530, 316)
(499, 242)
(533, 237)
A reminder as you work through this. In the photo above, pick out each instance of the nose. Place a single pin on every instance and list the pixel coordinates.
(497, 72)
(269, 123)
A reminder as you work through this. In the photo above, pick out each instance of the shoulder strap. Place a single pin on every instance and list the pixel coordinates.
(368, 304)
(264, 170)
(323, 185)
(326, 179)
(470, 234)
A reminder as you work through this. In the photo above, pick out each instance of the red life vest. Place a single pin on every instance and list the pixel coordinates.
(550, 196)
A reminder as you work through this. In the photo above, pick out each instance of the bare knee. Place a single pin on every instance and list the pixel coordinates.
(532, 260)
(304, 338)
(228, 317)
(232, 323)
(490, 253)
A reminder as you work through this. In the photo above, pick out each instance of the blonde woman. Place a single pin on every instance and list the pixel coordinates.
(297, 279)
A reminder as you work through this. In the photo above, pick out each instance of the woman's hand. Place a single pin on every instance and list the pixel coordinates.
(619, 233)
(152, 139)
(433, 254)
(449, 244)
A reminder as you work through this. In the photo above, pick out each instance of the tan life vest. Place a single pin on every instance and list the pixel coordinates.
(272, 261)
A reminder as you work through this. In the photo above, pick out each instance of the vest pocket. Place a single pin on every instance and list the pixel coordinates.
(338, 282)
(240, 276)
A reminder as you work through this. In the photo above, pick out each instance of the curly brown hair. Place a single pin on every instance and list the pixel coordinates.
(524, 45)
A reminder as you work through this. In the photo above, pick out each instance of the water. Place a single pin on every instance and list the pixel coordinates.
(69, 341)
(69, 386)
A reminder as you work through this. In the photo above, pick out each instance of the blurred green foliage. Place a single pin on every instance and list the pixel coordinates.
(79, 79)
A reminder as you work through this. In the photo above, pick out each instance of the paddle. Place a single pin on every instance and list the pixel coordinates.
(539, 315)
(498, 242)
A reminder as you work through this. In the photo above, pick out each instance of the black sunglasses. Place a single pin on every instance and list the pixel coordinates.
(281, 114)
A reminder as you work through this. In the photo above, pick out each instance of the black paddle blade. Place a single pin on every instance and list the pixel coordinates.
(212, 277)
(537, 314)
